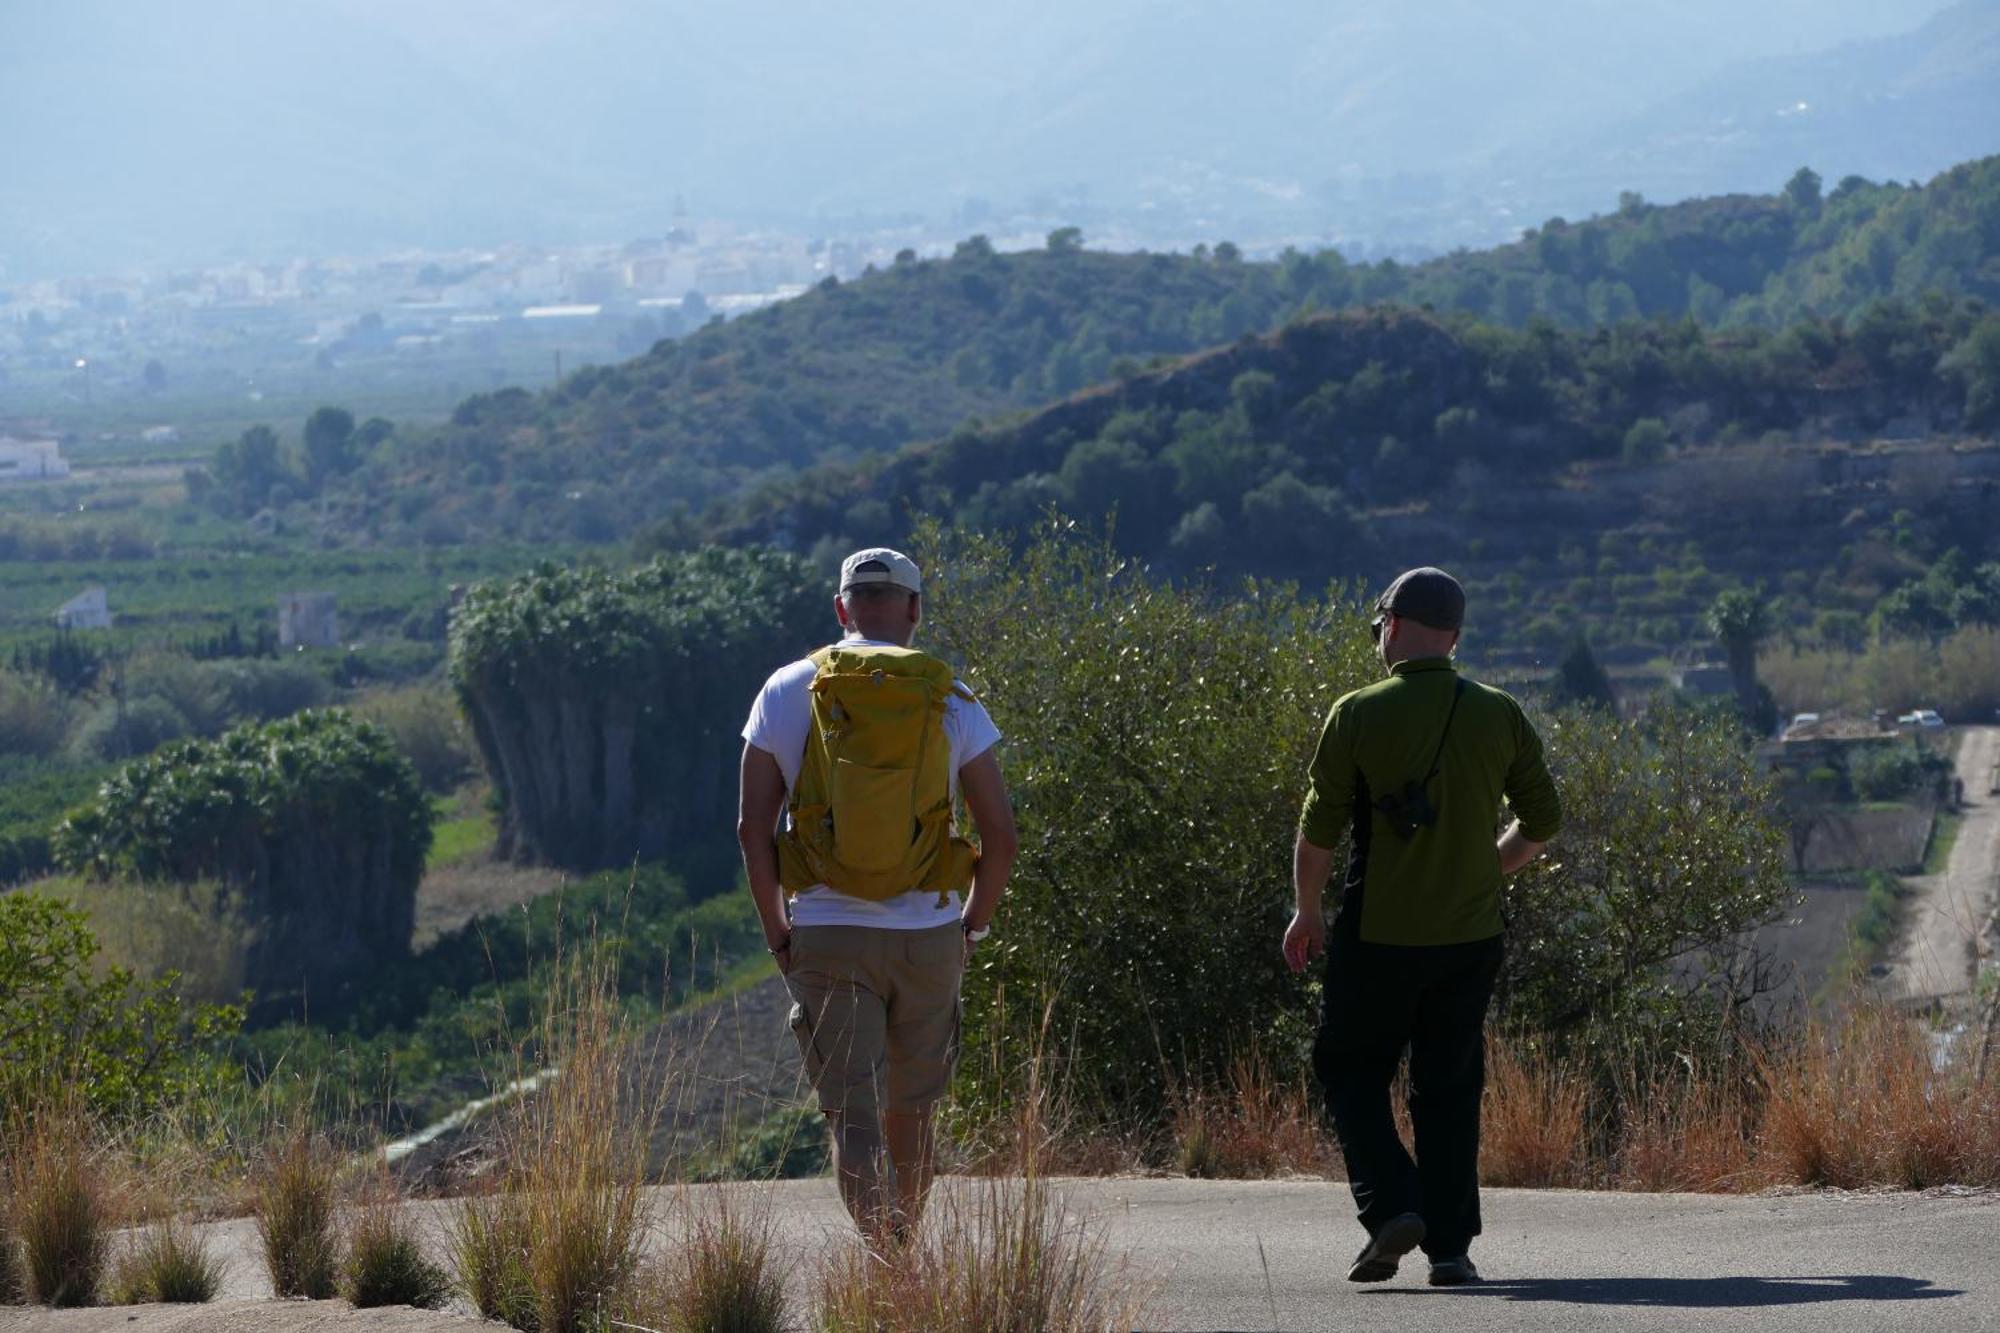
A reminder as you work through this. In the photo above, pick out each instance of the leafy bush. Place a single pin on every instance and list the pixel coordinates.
(1887, 772)
(1156, 760)
(191, 688)
(1669, 851)
(34, 715)
(262, 690)
(34, 794)
(111, 731)
(787, 1144)
(607, 706)
(424, 722)
(191, 931)
(123, 1045)
(314, 824)
(1157, 763)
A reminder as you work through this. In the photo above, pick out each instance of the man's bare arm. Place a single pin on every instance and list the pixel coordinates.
(985, 793)
(1516, 850)
(1305, 938)
(760, 800)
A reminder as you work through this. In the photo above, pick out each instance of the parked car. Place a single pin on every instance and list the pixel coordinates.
(1921, 717)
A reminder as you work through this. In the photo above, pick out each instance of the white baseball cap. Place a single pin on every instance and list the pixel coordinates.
(879, 564)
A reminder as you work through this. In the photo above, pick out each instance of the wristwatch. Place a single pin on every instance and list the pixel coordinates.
(974, 935)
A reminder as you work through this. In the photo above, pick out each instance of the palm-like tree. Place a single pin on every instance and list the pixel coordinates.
(1741, 620)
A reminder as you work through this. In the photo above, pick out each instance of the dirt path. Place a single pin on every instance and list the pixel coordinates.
(1937, 958)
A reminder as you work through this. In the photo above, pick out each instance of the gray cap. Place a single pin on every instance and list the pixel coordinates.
(1428, 596)
(879, 564)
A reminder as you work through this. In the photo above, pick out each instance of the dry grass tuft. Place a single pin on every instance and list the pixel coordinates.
(721, 1276)
(1255, 1128)
(1000, 1256)
(386, 1264)
(295, 1206)
(1535, 1121)
(490, 1243)
(168, 1263)
(571, 1212)
(60, 1211)
(1687, 1132)
(11, 1292)
(1864, 1103)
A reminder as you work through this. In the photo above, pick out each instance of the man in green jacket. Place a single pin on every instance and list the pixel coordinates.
(1413, 769)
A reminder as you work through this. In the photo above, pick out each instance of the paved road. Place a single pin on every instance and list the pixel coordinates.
(1949, 911)
(1556, 1260)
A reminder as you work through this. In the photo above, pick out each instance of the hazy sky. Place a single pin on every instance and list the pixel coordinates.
(139, 129)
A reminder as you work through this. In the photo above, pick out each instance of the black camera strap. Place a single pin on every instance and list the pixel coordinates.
(1457, 689)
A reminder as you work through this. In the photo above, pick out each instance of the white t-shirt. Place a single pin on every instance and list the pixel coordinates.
(780, 721)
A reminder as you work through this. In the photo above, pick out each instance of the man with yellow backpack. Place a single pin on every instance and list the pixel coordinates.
(852, 758)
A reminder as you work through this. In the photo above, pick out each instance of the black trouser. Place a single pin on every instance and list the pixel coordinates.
(1379, 1000)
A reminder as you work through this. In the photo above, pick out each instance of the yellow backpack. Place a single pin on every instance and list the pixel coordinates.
(871, 810)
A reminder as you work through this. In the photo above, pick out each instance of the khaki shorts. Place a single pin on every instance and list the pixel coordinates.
(876, 1014)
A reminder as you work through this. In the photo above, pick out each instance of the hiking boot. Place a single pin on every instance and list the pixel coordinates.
(1385, 1249)
(1456, 1272)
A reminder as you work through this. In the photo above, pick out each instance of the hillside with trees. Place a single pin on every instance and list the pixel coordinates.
(910, 353)
(1331, 433)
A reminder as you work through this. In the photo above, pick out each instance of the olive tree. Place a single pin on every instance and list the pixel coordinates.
(1671, 852)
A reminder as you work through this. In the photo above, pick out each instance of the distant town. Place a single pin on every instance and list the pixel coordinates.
(453, 322)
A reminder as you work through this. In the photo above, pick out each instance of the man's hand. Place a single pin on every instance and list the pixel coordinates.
(780, 950)
(1305, 939)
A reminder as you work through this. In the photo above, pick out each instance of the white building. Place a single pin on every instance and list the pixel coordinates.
(307, 620)
(89, 609)
(31, 460)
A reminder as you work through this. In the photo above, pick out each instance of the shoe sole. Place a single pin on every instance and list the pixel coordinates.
(1398, 1236)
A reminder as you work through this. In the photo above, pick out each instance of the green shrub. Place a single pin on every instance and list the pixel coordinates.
(113, 731)
(424, 723)
(1669, 852)
(260, 690)
(34, 715)
(1886, 772)
(1157, 760)
(786, 1145)
(123, 1045)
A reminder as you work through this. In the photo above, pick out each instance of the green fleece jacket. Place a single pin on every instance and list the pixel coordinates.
(1442, 885)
